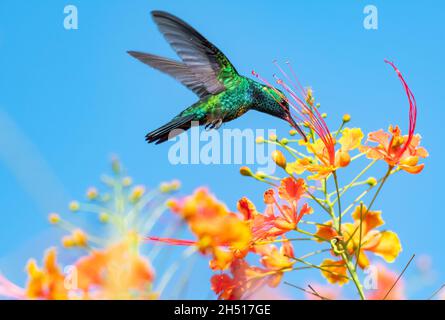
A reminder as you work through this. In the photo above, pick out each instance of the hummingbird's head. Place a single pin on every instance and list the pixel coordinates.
(273, 101)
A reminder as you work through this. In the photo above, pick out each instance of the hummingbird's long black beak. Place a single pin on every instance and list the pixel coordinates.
(297, 127)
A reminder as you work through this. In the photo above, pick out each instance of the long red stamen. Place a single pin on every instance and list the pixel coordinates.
(412, 108)
(312, 118)
(307, 115)
(296, 87)
(176, 242)
(296, 78)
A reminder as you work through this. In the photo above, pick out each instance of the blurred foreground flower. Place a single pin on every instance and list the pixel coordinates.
(112, 264)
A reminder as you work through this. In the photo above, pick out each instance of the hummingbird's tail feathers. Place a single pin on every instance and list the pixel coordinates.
(170, 130)
(178, 70)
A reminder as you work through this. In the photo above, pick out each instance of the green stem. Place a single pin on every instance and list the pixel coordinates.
(320, 268)
(319, 203)
(353, 274)
(357, 156)
(388, 173)
(339, 203)
(311, 235)
(282, 240)
(359, 247)
(346, 188)
(379, 189)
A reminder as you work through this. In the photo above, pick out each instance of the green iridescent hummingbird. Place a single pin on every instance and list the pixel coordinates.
(224, 95)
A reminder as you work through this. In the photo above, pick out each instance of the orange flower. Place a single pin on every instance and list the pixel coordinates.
(334, 271)
(382, 243)
(242, 281)
(274, 259)
(392, 147)
(220, 233)
(322, 165)
(268, 225)
(291, 190)
(118, 272)
(47, 282)
(259, 224)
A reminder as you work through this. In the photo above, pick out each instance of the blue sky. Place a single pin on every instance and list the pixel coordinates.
(70, 99)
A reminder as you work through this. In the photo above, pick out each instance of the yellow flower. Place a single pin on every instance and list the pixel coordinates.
(351, 138)
(385, 244)
(298, 166)
(47, 282)
(334, 271)
(326, 160)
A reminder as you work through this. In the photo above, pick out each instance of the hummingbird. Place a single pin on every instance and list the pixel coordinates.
(224, 94)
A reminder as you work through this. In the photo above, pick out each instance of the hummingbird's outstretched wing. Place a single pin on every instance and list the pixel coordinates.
(208, 64)
(175, 69)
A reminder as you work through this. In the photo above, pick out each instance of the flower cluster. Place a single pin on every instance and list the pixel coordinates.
(228, 237)
(110, 264)
(303, 199)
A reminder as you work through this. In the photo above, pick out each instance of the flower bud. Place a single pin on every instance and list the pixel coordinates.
(175, 185)
(292, 132)
(284, 141)
(259, 140)
(80, 238)
(137, 193)
(127, 181)
(279, 158)
(54, 218)
(273, 137)
(92, 193)
(104, 217)
(343, 158)
(115, 165)
(371, 181)
(346, 118)
(245, 171)
(74, 206)
(68, 242)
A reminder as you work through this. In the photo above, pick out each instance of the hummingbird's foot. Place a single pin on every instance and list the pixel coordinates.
(215, 124)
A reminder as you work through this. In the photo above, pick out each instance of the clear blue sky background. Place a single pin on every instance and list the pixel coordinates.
(69, 99)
